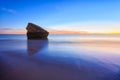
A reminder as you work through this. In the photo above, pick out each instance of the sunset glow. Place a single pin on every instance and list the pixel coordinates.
(61, 16)
(60, 39)
(12, 32)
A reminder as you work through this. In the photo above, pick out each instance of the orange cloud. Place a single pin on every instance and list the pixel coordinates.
(20, 31)
(53, 31)
(12, 31)
(66, 32)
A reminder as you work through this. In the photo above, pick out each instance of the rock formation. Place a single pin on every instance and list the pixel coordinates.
(36, 32)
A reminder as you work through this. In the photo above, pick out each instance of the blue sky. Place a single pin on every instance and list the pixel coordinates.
(81, 15)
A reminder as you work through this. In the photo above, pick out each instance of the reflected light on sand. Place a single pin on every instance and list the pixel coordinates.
(34, 46)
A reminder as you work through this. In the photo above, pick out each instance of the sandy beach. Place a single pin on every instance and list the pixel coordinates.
(59, 59)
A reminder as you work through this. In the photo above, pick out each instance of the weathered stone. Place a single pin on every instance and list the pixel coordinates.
(36, 32)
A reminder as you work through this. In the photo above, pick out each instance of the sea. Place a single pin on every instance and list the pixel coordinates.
(61, 57)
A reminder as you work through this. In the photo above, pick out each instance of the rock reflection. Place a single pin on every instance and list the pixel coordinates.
(34, 46)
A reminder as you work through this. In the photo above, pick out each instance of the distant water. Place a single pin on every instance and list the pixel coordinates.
(61, 57)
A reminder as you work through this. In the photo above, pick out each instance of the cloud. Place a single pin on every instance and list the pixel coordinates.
(12, 31)
(89, 26)
(52, 31)
(6, 29)
(8, 10)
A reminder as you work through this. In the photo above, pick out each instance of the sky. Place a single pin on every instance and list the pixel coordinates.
(61, 16)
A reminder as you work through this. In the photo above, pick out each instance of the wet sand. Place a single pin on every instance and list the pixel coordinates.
(59, 60)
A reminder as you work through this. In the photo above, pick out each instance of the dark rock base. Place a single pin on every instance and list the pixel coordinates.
(37, 35)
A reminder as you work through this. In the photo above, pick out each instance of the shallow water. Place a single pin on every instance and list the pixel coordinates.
(62, 57)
